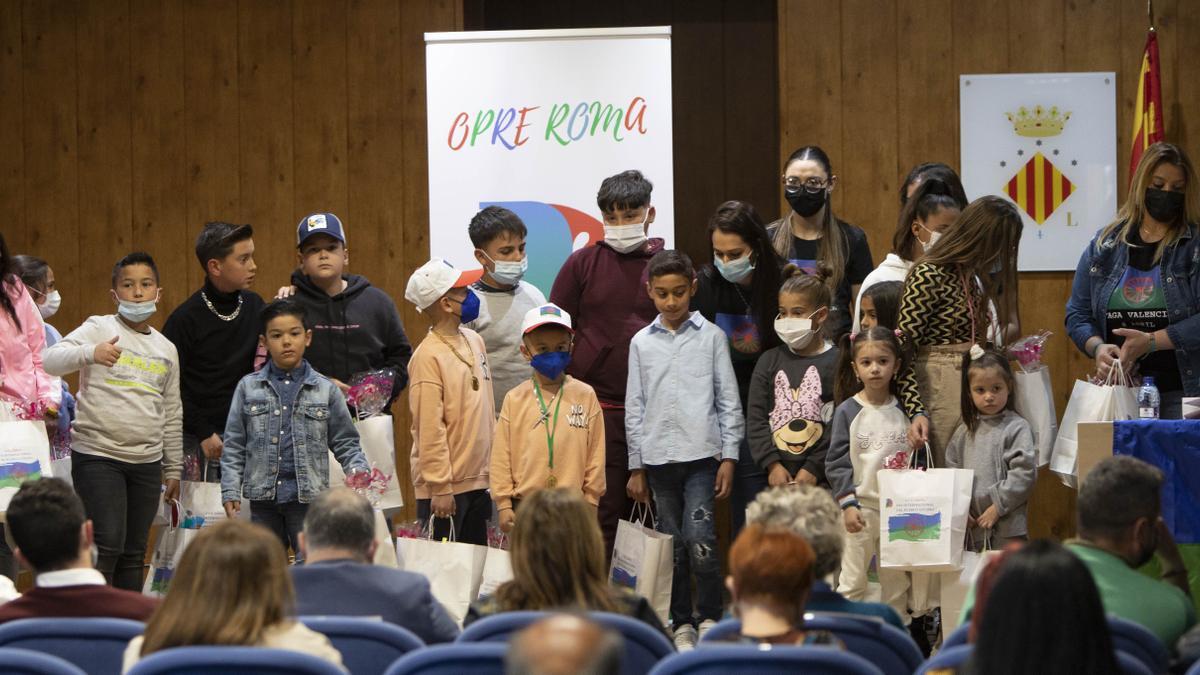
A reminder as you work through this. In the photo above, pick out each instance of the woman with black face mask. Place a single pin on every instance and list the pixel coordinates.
(1136, 294)
(809, 233)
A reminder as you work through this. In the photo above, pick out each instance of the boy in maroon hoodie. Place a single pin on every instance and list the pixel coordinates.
(602, 286)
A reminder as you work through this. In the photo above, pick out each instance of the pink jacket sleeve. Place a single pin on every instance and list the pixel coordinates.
(25, 380)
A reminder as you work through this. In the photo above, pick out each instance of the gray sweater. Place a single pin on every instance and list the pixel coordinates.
(1004, 459)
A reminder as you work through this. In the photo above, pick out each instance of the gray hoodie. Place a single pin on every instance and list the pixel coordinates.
(1004, 459)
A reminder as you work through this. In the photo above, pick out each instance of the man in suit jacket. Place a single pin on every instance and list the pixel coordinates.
(338, 578)
(54, 538)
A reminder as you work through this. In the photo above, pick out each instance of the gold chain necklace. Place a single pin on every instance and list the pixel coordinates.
(469, 364)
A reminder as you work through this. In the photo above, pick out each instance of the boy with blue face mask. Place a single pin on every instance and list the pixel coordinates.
(551, 428)
(498, 236)
(127, 438)
(450, 394)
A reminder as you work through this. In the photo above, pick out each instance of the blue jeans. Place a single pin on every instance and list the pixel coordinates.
(286, 520)
(683, 498)
(121, 499)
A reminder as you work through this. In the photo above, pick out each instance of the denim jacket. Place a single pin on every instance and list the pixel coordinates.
(321, 422)
(1100, 270)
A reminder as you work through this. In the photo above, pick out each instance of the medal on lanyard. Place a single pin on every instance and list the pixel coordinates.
(551, 427)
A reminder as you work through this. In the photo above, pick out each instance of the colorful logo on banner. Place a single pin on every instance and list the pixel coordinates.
(555, 231)
(915, 527)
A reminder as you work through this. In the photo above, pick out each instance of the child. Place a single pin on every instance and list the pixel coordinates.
(356, 326)
(127, 435)
(944, 310)
(499, 239)
(869, 433)
(602, 287)
(880, 304)
(997, 444)
(450, 394)
(683, 422)
(284, 421)
(791, 392)
(533, 448)
(216, 332)
(39, 280)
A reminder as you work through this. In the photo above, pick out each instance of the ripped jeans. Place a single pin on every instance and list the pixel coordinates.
(683, 498)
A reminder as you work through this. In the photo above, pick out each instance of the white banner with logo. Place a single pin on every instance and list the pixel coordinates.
(533, 121)
(1048, 143)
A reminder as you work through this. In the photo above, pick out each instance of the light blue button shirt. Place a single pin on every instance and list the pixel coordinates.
(681, 402)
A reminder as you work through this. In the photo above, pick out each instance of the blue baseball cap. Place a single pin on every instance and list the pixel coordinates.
(320, 223)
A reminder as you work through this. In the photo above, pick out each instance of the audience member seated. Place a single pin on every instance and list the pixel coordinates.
(1042, 615)
(811, 513)
(770, 577)
(1120, 530)
(338, 578)
(558, 563)
(231, 588)
(54, 539)
(564, 644)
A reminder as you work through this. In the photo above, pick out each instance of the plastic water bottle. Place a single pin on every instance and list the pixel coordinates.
(1148, 399)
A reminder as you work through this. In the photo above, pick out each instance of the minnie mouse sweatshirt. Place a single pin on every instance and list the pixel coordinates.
(790, 408)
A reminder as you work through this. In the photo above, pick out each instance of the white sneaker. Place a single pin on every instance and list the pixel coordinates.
(705, 626)
(685, 637)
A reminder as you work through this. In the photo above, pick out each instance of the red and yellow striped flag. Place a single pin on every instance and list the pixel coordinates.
(1147, 108)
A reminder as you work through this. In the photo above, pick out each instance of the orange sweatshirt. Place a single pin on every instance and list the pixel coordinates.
(452, 423)
(520, 454)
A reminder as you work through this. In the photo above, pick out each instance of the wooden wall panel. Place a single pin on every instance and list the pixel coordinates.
(50, 147)
(319, 84)
(158, 164)
(105, 198)
(925, 75)
(12, 158)
(265, 109)
(868, 165)
(211, 118)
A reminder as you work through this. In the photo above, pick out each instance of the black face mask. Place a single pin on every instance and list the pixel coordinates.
(1163, 206)
(804, 202)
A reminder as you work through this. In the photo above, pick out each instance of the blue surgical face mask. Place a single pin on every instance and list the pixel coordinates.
(734, 271)
(137, 312)
(551, 364)
(470, 307)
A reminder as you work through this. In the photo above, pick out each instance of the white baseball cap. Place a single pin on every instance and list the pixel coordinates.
(548, 313)
(431, 281)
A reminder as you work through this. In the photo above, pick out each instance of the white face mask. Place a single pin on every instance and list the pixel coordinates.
(795, 332)
(51, 305)
(508, 272)
(626, 238)
(933, 238)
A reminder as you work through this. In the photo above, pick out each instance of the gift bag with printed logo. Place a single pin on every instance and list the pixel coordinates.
(24, 455)
(168, 551)
(923, 518)
(644, 561)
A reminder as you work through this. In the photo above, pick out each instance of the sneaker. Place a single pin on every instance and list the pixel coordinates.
(705, 626)
(685, 637)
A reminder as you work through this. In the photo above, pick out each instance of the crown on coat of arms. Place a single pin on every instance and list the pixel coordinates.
(1040, 123)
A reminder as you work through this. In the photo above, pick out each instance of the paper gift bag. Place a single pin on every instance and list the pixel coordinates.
(24, 455)
(201, 506)
(1034, 401)
(385, 550)
(644, 561)
(923, 518)
(1109, 402)
(378, 440)
(497, 569)
(957, 585)
(454, 570)
(168, 551)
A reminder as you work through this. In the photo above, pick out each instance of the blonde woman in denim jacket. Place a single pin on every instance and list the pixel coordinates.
(1136, 291)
